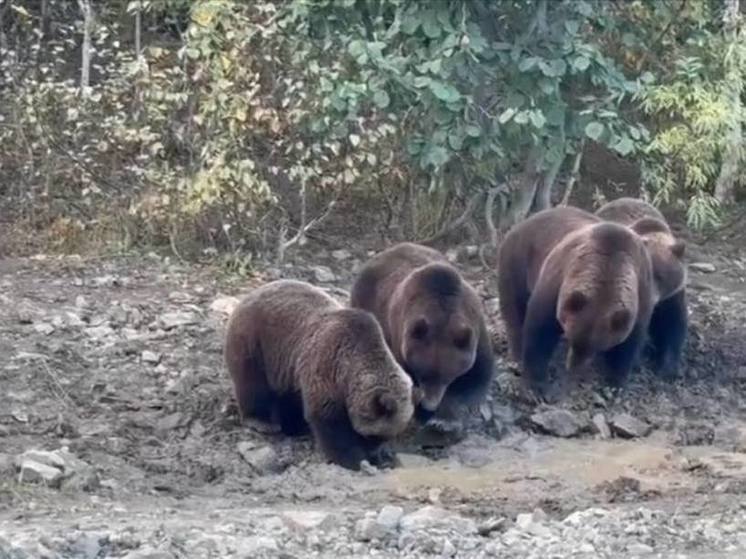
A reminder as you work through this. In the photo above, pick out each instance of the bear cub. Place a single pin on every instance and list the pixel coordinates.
(433, 322)
(564, 271)
(669, 323)
(297, 357)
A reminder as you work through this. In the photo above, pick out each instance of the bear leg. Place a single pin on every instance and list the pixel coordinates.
(473, 386)
(621, 358)
(337, 439)
(288, 413)
(541, 333)
(253, 394)
(667, 330)
(513, 311)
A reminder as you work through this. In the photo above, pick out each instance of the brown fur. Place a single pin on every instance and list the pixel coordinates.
(298, 357)
(432, 320)
(669, 323)
(564, 271)
(666, 252)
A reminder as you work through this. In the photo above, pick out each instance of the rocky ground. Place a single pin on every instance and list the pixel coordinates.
(118, 437)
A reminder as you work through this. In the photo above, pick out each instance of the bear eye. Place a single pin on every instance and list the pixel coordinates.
(419, 330)
(619, 320)
(462, 339)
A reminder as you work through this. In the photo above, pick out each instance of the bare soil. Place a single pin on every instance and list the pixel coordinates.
(119, 361)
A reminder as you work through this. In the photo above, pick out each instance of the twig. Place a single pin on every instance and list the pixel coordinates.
(471, 207)
(573, 175)
(284, 245)
(488, 207)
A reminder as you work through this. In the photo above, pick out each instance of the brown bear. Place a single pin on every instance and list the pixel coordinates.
(669, 323)
(433, 322)
(296, 356)
(565, 271)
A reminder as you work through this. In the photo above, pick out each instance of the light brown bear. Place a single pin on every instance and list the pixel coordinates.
(669, 323)
(563, 271)
(433, 322)
(298, 357)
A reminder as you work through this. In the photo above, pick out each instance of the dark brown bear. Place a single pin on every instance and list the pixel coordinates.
(565, 271)
(433, 322)
(298, 357)
(669, 323)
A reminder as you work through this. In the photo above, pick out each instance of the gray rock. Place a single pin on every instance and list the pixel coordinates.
(389, 517)
(491, 525)
(99, 333)
(637, 548)
(601, 426)
(704, 267)
(45, 457)
(224, 305)
(35, 472)
(449, 550)
(150, 357)
(341, 254)
(305, 520)
(149, 553)
(263, 459)
(558, 422)
(177, 319)
(730, 437)
(524, 520)
(432, 517)
(85, 546)
(626, 426)
(324, 274)
(253, 546)
(367, 529)
(44, 328)
(81, 302)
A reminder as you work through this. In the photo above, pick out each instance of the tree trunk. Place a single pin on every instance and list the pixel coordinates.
(543, 196)
(726, 181)
(85, 66)
(524, 188)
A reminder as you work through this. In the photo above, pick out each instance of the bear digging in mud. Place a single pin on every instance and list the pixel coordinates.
(433, 322)
(565, 271)
(299, 358)
(669, 323)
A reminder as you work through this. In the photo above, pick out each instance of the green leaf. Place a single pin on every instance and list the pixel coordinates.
(528, 63)
(572, 27)
(436, 156)
(455, 140)
(431, 26)
(422, 81)
(584, 8)
(537, 119)
(444, 92)
(624, 146)
(594, 130)
(553, 68)
(506, 115)
(473, 130)
(581, 63)
(356, 48)
(381, 99)
(521, 117)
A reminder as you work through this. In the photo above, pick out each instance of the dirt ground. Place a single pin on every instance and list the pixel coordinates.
(118, 363)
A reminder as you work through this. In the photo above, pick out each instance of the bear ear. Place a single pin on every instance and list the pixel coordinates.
(647, 225)
(385, 405)
(576, 302)
(419, 329)
(620, 320)
(678, 249)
